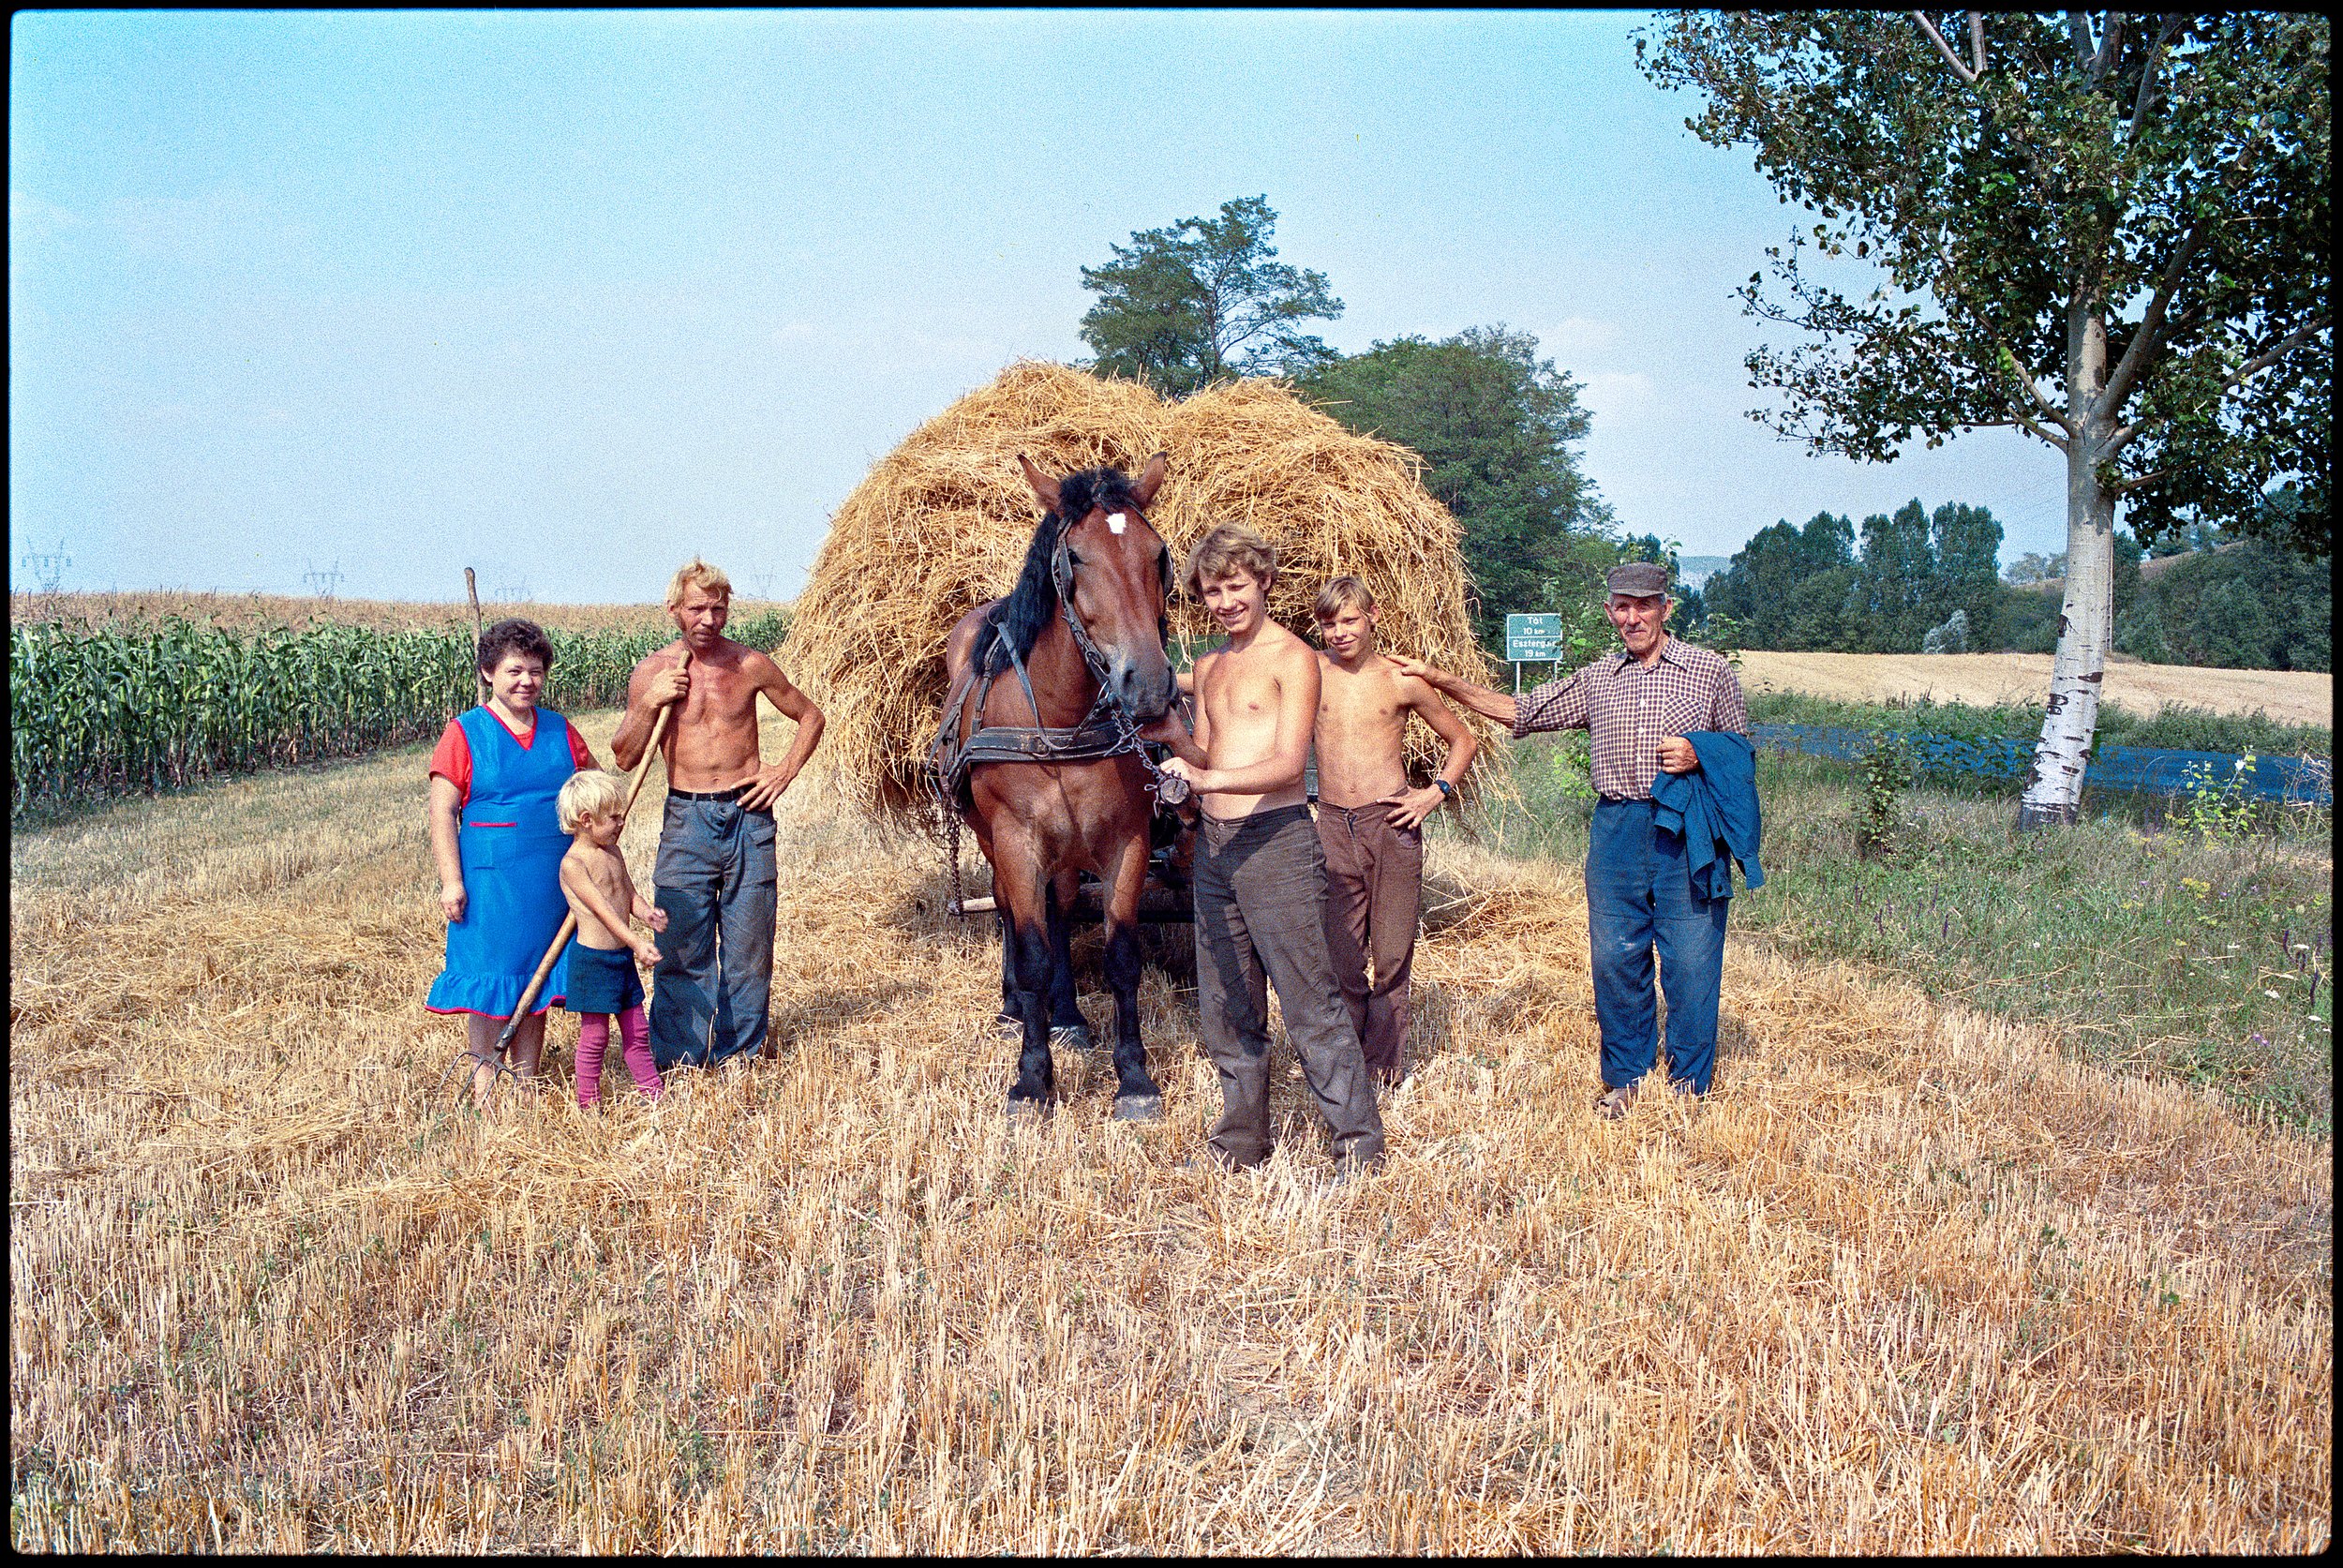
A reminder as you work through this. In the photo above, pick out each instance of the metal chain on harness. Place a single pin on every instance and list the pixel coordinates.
(951, 844)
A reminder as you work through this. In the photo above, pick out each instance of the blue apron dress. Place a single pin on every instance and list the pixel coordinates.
(511, 844)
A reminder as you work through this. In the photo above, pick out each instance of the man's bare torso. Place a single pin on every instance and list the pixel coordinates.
(1362, 723)
(1239, 691)
(711, 744)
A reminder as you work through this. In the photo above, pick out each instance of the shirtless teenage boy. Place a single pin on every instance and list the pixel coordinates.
(715, 873)
(1369, 823)
(1261, 878)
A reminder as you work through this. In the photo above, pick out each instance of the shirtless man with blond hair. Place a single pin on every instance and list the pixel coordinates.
(1370, 823)
(716, 875)
(1260, 877)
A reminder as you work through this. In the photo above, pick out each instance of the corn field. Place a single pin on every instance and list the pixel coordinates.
(111, 710)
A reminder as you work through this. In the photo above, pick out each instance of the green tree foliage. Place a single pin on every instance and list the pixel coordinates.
(1809, 588)
(1821, 612)
(2108, 230)
(1183, 305)
(1497, 430)
(2181, 542)
(2252, 605)
(2155, 183)
(1691, 621)
(1895, 582)
(1773, 591)
(1964, 546)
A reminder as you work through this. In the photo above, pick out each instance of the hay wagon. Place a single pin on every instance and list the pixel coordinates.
(941, 525)
(1168, 899)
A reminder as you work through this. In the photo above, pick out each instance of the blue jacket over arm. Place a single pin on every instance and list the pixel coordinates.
(1714, 810)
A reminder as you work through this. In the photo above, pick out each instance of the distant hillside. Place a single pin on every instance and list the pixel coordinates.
(2149, 569)
(1692, 571)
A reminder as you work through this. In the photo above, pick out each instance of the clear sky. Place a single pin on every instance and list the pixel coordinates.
(568, 297)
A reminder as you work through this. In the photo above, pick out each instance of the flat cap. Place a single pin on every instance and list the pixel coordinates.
(1637, 579)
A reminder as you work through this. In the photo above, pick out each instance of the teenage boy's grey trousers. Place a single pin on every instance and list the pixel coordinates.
(1261, 917)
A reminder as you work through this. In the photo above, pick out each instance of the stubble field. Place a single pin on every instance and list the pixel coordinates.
(1983, 679)
(1908, 1282)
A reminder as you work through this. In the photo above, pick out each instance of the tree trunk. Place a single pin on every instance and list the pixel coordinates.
(2086, 624)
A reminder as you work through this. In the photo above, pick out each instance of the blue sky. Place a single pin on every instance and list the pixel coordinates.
(567, 297)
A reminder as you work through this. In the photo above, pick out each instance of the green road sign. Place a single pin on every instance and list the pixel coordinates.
(1533, 638)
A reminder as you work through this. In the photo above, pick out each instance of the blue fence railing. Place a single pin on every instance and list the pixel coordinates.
(2148, 769)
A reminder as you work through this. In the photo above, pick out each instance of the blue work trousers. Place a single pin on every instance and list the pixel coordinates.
(1640, 896)
(714, 981)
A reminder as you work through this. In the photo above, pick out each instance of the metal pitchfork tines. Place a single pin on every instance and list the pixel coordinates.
(477, 1061)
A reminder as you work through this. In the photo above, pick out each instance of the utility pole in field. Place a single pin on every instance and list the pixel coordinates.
(322, 582)
(46, 567)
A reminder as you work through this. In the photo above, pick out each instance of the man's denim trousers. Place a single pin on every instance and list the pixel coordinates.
(1639, 895)
(715, 975)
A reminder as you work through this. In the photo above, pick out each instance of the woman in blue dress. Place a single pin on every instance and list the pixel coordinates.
(499, 846)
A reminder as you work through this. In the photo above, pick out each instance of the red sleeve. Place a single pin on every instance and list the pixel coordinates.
(580, 752)
(451, 759)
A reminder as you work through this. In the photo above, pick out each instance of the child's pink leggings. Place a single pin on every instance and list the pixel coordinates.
(593, 1043)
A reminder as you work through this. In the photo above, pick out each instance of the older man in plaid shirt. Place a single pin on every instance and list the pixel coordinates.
(1637, 706)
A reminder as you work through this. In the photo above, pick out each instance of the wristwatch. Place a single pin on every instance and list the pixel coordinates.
(1445, 791)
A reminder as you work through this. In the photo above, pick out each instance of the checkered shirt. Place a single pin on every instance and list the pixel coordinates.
(1627, 708)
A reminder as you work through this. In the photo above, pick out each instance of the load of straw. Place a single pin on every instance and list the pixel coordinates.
(941, 525)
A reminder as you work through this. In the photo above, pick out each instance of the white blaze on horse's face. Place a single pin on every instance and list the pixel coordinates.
(1114, 587)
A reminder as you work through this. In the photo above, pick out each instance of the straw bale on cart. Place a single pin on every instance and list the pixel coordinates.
(941, 522)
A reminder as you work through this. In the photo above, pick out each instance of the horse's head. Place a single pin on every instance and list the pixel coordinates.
(1114, 572)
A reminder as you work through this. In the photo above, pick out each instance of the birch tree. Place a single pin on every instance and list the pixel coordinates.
(2106, 230)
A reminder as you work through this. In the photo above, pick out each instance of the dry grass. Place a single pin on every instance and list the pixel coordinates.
(941, 523)
(251, 612)
(1909, 1282)
(2289, 696)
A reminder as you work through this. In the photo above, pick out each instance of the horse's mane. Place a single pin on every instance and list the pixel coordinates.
(1024, 615)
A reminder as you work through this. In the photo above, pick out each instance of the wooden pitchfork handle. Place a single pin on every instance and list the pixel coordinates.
(569, 922)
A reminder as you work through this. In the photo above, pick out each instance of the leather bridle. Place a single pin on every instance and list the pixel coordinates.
(1107, 729)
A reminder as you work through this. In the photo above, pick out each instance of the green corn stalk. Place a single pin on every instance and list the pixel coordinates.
(96, 712)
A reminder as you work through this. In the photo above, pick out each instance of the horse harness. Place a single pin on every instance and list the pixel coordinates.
(1105, 731)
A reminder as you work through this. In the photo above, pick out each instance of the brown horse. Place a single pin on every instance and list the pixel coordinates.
(1039, 752)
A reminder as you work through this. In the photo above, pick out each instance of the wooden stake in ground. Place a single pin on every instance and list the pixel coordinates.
(471, 589)
(569, 922)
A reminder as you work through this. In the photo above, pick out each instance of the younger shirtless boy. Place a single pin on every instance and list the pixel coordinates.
(716, 875)
(604, 986)
(1260, 877)
(1370, 822)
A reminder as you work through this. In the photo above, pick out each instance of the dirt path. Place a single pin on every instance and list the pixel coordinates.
(2290, 697)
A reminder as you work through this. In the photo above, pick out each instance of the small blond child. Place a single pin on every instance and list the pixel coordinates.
(602, 956)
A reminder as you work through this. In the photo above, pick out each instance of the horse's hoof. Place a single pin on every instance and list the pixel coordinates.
(1138, 1108)
(1072, 1037)
(1028, 1111)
